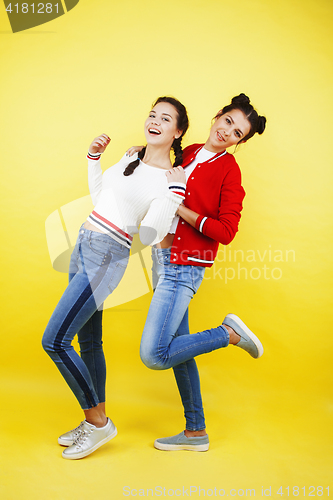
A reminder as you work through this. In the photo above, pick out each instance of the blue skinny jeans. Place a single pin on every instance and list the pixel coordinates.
(96, 267)
(166, 342)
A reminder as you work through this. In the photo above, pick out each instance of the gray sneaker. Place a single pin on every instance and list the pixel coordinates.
(69, 437)
(89, 439)
(249, 342)
(181, 442)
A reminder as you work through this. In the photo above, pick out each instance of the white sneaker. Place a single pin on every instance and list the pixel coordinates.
(69, 437)
(89, 439)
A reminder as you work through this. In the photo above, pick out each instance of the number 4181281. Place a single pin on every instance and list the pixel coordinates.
(311, 491)
(39, 8)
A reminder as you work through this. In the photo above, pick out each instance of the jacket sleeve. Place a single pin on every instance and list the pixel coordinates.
(94, 176)
(158, 219)
(224, 228)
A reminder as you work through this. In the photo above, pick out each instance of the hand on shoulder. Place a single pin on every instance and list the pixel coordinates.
(176, 174)
(134, 149)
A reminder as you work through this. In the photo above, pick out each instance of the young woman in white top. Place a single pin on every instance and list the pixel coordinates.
(150, 196)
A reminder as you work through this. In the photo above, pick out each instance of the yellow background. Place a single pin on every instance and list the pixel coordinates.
(97, 69)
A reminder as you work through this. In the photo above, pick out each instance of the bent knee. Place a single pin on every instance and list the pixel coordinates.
(47, 346)
(151, 361)
(49, 343)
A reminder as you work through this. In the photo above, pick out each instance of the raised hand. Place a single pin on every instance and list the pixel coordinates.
(99, 144)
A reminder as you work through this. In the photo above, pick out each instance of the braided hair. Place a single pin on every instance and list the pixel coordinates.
(182, 124)
(242, 102)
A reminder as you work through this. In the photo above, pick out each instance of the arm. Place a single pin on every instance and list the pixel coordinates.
(96, 148)
(157, 221)
(187, 214)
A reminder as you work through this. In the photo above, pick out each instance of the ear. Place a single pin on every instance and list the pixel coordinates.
(218, 113)
(178, 134)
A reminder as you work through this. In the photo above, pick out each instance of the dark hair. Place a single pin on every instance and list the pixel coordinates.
(242, 102)
(182, 124)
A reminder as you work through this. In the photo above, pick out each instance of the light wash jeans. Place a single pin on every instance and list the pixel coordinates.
(166, 342)
(97, 265)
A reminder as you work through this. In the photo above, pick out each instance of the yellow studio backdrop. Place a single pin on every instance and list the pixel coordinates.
(98, 68)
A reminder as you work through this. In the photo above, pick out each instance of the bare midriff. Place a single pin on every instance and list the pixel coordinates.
(91, 227)
(167, 242)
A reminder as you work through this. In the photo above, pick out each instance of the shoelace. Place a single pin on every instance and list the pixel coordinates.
(77, 430)
(82, 436)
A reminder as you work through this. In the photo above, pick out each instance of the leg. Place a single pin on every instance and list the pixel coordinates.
(96, 274)
(188, 382)
(91, 351)
(186, 374)
(160, 347)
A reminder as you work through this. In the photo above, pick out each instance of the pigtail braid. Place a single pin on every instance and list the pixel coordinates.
(132, 166)
(178, 150)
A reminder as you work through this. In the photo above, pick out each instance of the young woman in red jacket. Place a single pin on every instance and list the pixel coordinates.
(208, 216)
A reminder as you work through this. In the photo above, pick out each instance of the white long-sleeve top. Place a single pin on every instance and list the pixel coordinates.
(122, 203)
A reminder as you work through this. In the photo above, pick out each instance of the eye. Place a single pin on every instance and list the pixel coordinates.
(151, 115)
(228, 121)
(237, 134)
(166, 119)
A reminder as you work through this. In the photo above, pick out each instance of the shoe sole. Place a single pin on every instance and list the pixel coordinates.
(252, 336)
(83, 454)
(66, 443)
(176, 447)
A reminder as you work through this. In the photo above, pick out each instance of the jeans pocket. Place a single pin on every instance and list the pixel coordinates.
(93, 254)
(98, 246)
(197, 277)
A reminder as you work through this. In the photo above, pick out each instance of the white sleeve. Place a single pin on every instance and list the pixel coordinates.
(94, 176)
(157, 221)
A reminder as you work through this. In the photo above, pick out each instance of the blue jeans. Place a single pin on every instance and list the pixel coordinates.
(97, 265)
(166, 342)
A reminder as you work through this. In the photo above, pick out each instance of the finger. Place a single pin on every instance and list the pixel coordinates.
(106, 137)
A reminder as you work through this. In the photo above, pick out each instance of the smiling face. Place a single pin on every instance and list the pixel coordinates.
(227, 130)
(161, 126)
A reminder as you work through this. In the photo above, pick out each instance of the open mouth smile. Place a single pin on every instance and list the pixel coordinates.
(154, 131)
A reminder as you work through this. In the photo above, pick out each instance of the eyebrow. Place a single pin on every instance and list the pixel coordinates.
(166, 114)
(238, 130)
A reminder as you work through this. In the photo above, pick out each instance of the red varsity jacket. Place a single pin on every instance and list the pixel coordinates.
(214, 190)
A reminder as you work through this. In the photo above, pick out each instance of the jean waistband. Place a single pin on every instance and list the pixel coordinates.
(160, 251)
(90, 234)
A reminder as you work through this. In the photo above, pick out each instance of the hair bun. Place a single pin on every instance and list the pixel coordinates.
(240, 99)
(261, 124)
